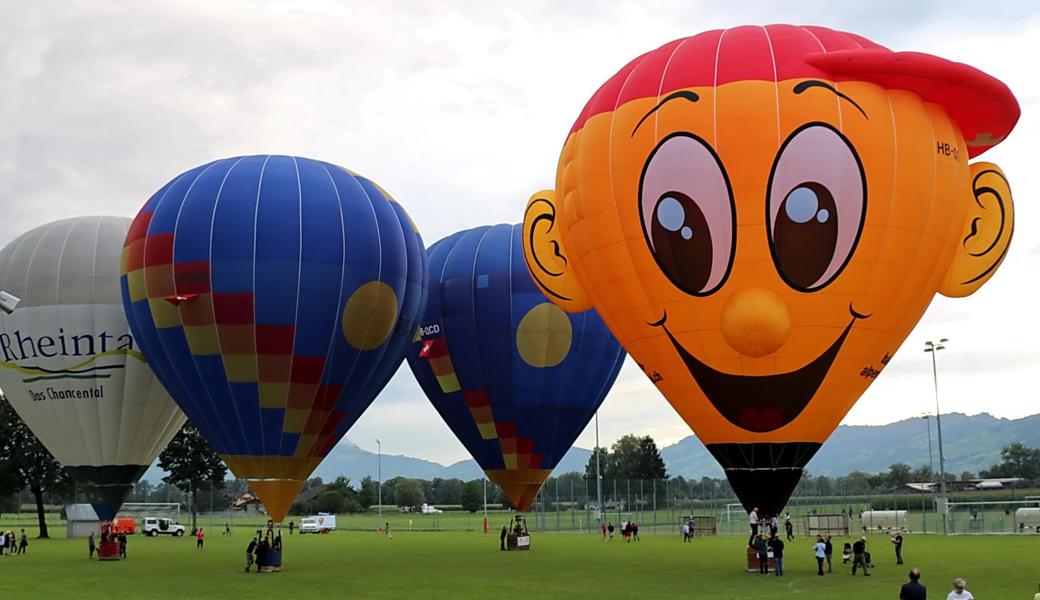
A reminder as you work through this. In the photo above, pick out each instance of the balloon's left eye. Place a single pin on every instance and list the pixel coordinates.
(687, 213)
(816, 206)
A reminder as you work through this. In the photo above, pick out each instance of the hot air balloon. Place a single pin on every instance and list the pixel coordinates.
(762, 214)
(274, 297)
(70, 367)
(514, 377)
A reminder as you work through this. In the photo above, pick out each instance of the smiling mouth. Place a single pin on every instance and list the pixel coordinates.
(761, 403)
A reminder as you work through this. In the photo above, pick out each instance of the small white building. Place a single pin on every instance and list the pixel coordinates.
(429, 510)
(81, 521)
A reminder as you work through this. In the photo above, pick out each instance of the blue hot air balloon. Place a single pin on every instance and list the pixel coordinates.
(515, 378)
(274, 297)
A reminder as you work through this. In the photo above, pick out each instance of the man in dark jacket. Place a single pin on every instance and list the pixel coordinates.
(777, 546)
(762, 549)
(859, 556)
(912, 590)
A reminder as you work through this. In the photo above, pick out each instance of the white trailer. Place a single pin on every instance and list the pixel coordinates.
(319, 523)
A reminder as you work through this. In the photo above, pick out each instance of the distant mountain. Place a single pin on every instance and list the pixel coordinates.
(970, 443)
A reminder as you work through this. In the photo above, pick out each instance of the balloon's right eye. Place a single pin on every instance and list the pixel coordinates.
(688, 215)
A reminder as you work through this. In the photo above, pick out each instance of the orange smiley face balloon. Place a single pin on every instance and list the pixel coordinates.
(762, 214)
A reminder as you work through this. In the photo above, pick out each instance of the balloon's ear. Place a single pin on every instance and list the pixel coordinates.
(988, 226)
(546, 257)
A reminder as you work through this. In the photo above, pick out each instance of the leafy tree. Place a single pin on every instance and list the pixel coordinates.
(447, 491)
(898, 475)
(369, 493)
(472, 496)
(1018, 460)
(25, 462)
(192, 462)
(604, 461)
(410, 493)
(967, 476)
(634, 457)
(331, 502)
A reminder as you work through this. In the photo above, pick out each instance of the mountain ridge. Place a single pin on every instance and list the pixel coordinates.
(971, 443)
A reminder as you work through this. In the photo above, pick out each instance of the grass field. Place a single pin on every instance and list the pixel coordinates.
(469, 565)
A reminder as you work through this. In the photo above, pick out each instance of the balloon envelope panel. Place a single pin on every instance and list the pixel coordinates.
(71, 368)
(514, 377)
(275, 296)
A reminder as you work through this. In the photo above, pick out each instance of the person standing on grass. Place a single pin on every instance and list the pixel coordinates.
(122, 544)
(828, 552)
(250, 550)
(603, 528)
(3, 542)
(685, 532)
(90, 545)
(762, 549)
(959, 593)
(24, 544)
(789, 527)
(292, 525)
(819, 548)
(634, 528)
(777, 546)
(502, 538)
(227, 528)
(859, 556)
(610, 532)
(753, 522)
(199, 537)
(386, 531)
(897, 540)
(913, 590)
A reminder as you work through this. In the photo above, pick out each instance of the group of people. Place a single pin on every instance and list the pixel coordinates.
(629, 530)
(688, 530)
(261, 546)
(107, 537)
(766, 545)
(12, 544)
(915, 590)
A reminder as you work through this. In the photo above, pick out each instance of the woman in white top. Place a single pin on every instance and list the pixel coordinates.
(959, 593)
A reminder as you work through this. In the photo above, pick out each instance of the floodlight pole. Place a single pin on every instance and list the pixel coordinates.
(931, 463)
(599, 476)
(379, 474)
(933, 348)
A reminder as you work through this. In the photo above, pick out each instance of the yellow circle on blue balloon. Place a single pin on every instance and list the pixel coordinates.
(370, 315)
(544, 335)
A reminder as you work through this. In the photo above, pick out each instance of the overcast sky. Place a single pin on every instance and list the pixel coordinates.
(459, 110)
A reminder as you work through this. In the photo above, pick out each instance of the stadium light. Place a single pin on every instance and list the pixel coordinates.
(931, 462)
(379, 472)
(599, 474)
(933, 348)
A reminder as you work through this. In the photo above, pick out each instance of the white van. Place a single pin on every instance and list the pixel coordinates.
(319, 523)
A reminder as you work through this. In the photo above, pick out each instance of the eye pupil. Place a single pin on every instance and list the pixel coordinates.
(685, 257)
(805, 235)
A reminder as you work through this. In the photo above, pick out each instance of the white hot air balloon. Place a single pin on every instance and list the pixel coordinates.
(68, 363)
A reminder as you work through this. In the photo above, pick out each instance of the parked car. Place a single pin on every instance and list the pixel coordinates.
(153, 526)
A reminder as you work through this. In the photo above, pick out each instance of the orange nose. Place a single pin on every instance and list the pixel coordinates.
(756, 322)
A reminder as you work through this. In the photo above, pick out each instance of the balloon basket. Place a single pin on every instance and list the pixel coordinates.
(518, 538)
(753, 563)
(269, 561)
(108, 551)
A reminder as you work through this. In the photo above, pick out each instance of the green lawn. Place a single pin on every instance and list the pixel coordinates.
(469, 565)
